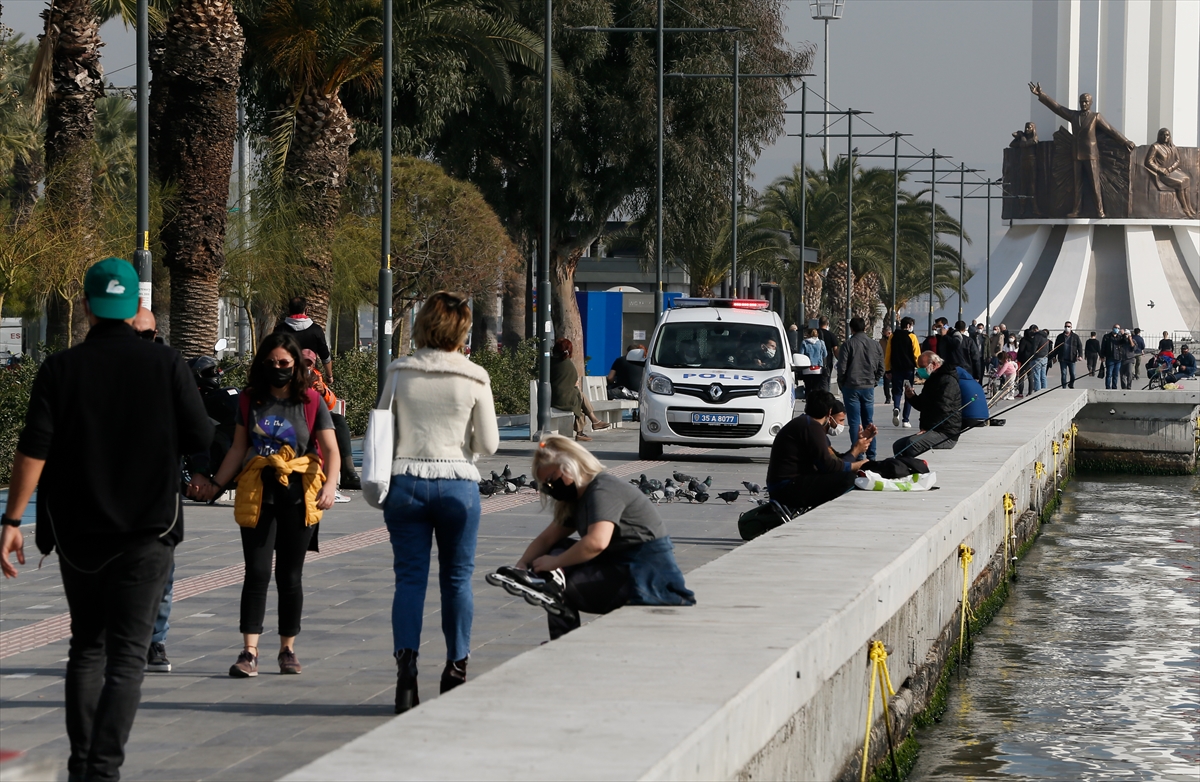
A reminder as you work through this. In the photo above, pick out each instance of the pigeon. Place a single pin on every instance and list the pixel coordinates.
(657, 496)
(669, 492)
(510, 487)
(696, 487)
(701, 497)
(669, 484)
(683, 477)
(496, 478)
(655, 484)
(753, 488)
(507, 474)
(533, 484)
(729, 496)
(645, 486)
(687, 494)
(520, 481)
(708, 481)
(487, 489)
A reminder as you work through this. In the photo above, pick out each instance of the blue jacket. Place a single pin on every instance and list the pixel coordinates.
(657, 579)
(970, 387)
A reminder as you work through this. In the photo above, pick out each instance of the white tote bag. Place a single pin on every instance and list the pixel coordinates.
(379, 447)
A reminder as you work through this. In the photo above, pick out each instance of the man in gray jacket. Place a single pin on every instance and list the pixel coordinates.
(859, 370)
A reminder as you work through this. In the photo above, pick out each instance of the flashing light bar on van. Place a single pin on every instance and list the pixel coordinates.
(736, 304)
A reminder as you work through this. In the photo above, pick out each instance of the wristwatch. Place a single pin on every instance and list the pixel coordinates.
(7, 522)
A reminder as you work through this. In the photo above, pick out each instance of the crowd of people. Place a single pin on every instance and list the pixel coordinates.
(140, 417)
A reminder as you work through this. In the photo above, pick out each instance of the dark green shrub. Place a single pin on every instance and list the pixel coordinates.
(511, 372)
(15, 385)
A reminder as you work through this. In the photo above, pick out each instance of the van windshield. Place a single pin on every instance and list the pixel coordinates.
(718, 346)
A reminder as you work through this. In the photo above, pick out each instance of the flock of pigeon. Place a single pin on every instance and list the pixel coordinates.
(677, 488)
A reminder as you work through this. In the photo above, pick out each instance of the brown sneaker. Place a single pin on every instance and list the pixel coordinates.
(245, 667)
(583, 438)
(288, 664)
(601, 425)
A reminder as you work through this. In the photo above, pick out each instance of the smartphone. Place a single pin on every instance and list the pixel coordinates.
(908, 384)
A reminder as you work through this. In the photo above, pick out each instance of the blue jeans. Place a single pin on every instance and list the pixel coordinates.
(162, 622)
(1037, 375)
(1064, 367)
(1112, 374)
(897, 394)
(416, 510)
(860, 411)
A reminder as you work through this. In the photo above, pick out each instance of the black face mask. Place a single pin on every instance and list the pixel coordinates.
(561, 491)
(280, 377)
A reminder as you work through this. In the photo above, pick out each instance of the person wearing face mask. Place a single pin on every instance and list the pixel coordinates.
(860, 368)
(1067, 350)
(940, 403)
(804, 470)
(766, 356)
(995, 346)
(900, 360)
(349, 477)
(814, 375)
(283, 449)
(623, 555)
(1116, 348)
(1091, 352)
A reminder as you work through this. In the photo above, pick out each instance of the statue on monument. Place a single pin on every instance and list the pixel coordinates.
(1084, 124)
(1027, 141)
(1164, 163)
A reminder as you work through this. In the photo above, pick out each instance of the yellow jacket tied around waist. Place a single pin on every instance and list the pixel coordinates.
(248, 504)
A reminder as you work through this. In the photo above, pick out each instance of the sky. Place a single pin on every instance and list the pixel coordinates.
(951, 72)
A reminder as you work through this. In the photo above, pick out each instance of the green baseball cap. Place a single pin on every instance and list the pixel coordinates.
(111, 288)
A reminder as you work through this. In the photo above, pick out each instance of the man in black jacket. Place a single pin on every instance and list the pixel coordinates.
(1091, 352)
(107, 422)
(308, 334)
(831, 348)
(1116, 349)
(1067, 350)
(940, 403)
(804, 470)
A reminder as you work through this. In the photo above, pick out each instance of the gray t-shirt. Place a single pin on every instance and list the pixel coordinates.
(274, 424)
(613, 499)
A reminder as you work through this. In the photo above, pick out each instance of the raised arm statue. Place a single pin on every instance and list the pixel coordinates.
(1084, 124)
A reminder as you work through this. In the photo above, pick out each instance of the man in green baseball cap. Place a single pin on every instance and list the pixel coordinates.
(111, 288)
(107, 422)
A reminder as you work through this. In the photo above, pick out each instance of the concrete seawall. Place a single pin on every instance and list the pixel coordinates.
(1139, 431)
(765, 678)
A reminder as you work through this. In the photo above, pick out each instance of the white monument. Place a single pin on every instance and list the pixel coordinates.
(1140, 60)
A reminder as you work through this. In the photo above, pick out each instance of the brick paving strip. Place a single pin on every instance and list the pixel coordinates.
(57, 628)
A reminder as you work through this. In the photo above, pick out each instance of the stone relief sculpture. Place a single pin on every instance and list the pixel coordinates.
(1084, 124)
(1164, 164)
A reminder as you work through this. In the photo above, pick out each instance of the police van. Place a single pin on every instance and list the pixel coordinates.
(717, 374)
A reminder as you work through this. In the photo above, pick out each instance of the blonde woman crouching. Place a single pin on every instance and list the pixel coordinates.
(623, 554)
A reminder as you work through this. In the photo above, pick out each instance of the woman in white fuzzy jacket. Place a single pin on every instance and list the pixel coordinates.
(444, 417)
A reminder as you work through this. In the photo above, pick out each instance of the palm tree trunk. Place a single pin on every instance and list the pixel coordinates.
(197, 116)
(813, 284)
(836, 293)
(866, 299)
(314, 174)
(512, 325)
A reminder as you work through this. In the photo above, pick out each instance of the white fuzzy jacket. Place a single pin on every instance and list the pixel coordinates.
(444, 414)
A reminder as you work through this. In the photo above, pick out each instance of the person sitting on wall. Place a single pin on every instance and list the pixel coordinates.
(565, 393)
(804, 470)
(625, 377)
(940, 403)
(974, 398)
(1185, 363)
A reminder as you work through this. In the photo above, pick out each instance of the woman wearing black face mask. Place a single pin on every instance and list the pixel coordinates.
(623, 554)
(283, 431)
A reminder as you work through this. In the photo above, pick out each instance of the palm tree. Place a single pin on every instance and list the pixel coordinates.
(195, 95)
(20, 134)
(304, 52)
(871, 273)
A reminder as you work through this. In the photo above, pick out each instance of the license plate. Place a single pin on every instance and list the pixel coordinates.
(715, 419)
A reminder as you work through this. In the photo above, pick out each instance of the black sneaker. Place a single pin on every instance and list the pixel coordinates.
(546, 590)
(156, 659)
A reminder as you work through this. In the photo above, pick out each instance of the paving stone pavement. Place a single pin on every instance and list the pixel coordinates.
(196, 723)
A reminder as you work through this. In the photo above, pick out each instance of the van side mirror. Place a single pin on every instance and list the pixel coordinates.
(636, 357)
(800, 360)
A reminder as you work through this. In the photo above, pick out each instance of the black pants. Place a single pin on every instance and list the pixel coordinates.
(341, 431)
(916, 444)
(112, 617)
(281, 530)
(815, 383)
(808, 491)
(597, 586)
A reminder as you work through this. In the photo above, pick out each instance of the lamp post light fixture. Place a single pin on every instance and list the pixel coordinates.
(826, 11)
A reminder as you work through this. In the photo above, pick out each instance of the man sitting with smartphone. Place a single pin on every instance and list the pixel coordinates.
(940, 404)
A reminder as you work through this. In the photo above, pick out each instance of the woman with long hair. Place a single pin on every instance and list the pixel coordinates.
(445, 418)
(283, 449)
(623, 554)
(565, 393)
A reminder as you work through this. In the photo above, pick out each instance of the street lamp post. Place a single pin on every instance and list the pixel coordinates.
(826, 11)
(383, 324)
(545, 324)
(141, 253)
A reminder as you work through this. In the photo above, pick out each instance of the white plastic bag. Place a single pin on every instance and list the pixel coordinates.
(378, 448)
(873, 481)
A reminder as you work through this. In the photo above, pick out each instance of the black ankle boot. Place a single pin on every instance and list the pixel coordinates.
(406, 680)
(454, 674)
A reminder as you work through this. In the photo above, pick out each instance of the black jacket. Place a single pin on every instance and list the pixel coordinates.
(801, 448)
(1033, 345)
(1092, 348)
(111, 417)
(311, 338)
(1116, 347)
(1067, 348)
(939, 403)
(950, 348)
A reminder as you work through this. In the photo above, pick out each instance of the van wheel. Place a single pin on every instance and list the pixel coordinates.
(649, 451)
